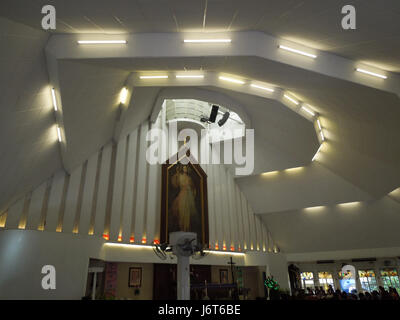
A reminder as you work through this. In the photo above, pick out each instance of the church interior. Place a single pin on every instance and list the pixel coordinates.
(194, 150)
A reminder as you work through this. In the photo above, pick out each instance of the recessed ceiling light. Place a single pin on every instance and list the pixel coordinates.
(316, 154)
(371, 73)
(262, 88)
(291, 99)
(53, 95)
(154, 77)
(232, 80)
(207, 40)
(298, 51)
(102, 41)
(194, 76)
(308, 111)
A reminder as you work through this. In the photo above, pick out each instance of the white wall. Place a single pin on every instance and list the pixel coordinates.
(23, 253)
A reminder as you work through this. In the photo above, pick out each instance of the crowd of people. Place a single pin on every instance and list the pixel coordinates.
(330, 293)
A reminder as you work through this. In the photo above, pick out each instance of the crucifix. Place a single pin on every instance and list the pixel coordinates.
(235, 293)
(231, 263)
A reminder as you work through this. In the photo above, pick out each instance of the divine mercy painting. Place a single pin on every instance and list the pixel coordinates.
(184, 200)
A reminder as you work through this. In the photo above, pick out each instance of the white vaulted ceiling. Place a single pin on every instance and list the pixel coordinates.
(360, 162)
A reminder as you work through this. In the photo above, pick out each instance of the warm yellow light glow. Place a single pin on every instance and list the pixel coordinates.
(53, 95)
(102, 41)
(316, 154)
(269, 173)
(194, 76)
(262, 88)
(227, 253)
(123, 95)
(315, 208)
(154, 77)
(308, 110)
(291, 99)
(231, 80)
(294, 169)
(207, 40)
(371, 73)
(3, 218)
(298, 51)
(349, 204)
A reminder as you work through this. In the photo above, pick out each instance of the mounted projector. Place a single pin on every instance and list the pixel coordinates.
(213, 115)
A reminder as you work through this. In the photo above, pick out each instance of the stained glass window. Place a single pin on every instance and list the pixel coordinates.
(325, 279)
(307, 280)
(368, 280)
(390, 279)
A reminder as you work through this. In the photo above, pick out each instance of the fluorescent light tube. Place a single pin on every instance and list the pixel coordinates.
(225, 252)
(53, 95)
(59, 133)
(262, 88)
(308, 111)
(322, 135)
(319, 124)
(123, 95)
(102, 41)
(207, 40)
(153, 77)
(200, 76)
(371, 73)
(298, 51)
(316, 154)
(232, 80)
(291, 99)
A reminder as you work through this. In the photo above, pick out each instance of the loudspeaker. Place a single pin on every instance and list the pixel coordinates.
(214, 112)
(224, 119)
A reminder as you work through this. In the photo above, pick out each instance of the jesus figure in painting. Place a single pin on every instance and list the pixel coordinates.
(184, 206)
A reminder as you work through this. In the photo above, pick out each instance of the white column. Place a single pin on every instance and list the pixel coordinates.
(183, 277)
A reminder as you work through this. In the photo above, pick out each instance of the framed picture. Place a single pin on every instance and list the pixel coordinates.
(135, 277)
(184, 199)
(223, 276)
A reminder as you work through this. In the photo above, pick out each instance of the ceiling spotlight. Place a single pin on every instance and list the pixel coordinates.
(371, 73)
(224, 119)
(231, 80)
(53, 95)
(102, 41)
(207, 40)
(298, 51)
